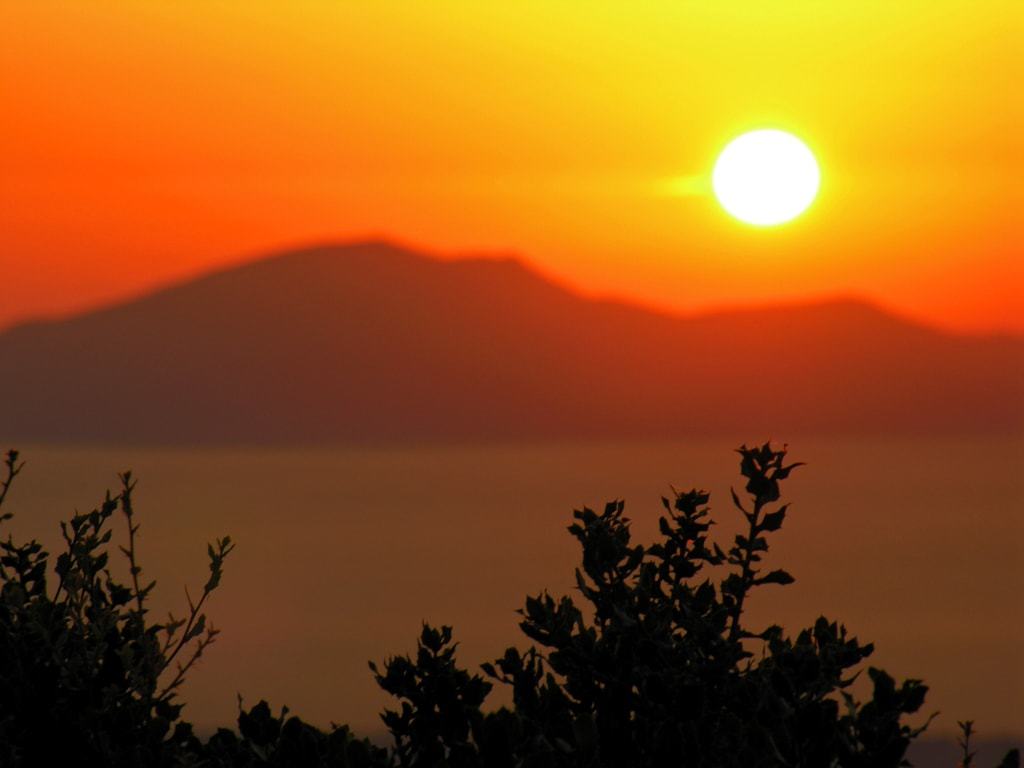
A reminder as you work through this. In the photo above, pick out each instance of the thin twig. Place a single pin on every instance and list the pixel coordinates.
(204, 643)
(127, 486)
(746, 571)
(13, 468)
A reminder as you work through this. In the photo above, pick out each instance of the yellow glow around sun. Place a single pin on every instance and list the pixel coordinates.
(766, 177)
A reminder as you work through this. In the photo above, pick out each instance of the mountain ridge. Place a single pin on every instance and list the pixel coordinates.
(375, 342)
(331, 249)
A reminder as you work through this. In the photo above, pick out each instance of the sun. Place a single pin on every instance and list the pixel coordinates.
(766, 177)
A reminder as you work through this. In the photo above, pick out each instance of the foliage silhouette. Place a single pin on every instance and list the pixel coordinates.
(84, 677)
(657, 669)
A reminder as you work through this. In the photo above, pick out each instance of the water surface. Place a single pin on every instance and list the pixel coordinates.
(916, 546)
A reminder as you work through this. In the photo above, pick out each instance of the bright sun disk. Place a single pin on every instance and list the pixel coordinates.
(766, 177)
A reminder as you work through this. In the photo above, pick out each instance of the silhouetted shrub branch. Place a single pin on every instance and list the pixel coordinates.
(86, 678)
(657, 667)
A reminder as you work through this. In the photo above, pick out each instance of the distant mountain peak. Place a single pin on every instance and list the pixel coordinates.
(375, 341)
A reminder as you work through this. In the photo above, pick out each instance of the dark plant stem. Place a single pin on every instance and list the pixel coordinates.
(966, 756)
(183, 669)
(12, 468)
(128, 485)
(746, 570)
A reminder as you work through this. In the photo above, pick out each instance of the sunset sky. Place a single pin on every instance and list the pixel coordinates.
(146, 142)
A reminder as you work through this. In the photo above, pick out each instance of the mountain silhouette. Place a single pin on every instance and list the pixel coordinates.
(370, 342)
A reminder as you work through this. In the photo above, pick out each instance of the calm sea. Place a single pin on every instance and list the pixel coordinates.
(916, 546)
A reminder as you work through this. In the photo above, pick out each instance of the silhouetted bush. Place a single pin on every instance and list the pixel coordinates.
(657, 669)
(85, 678)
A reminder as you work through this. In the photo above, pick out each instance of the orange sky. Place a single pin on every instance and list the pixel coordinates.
(145, 141)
